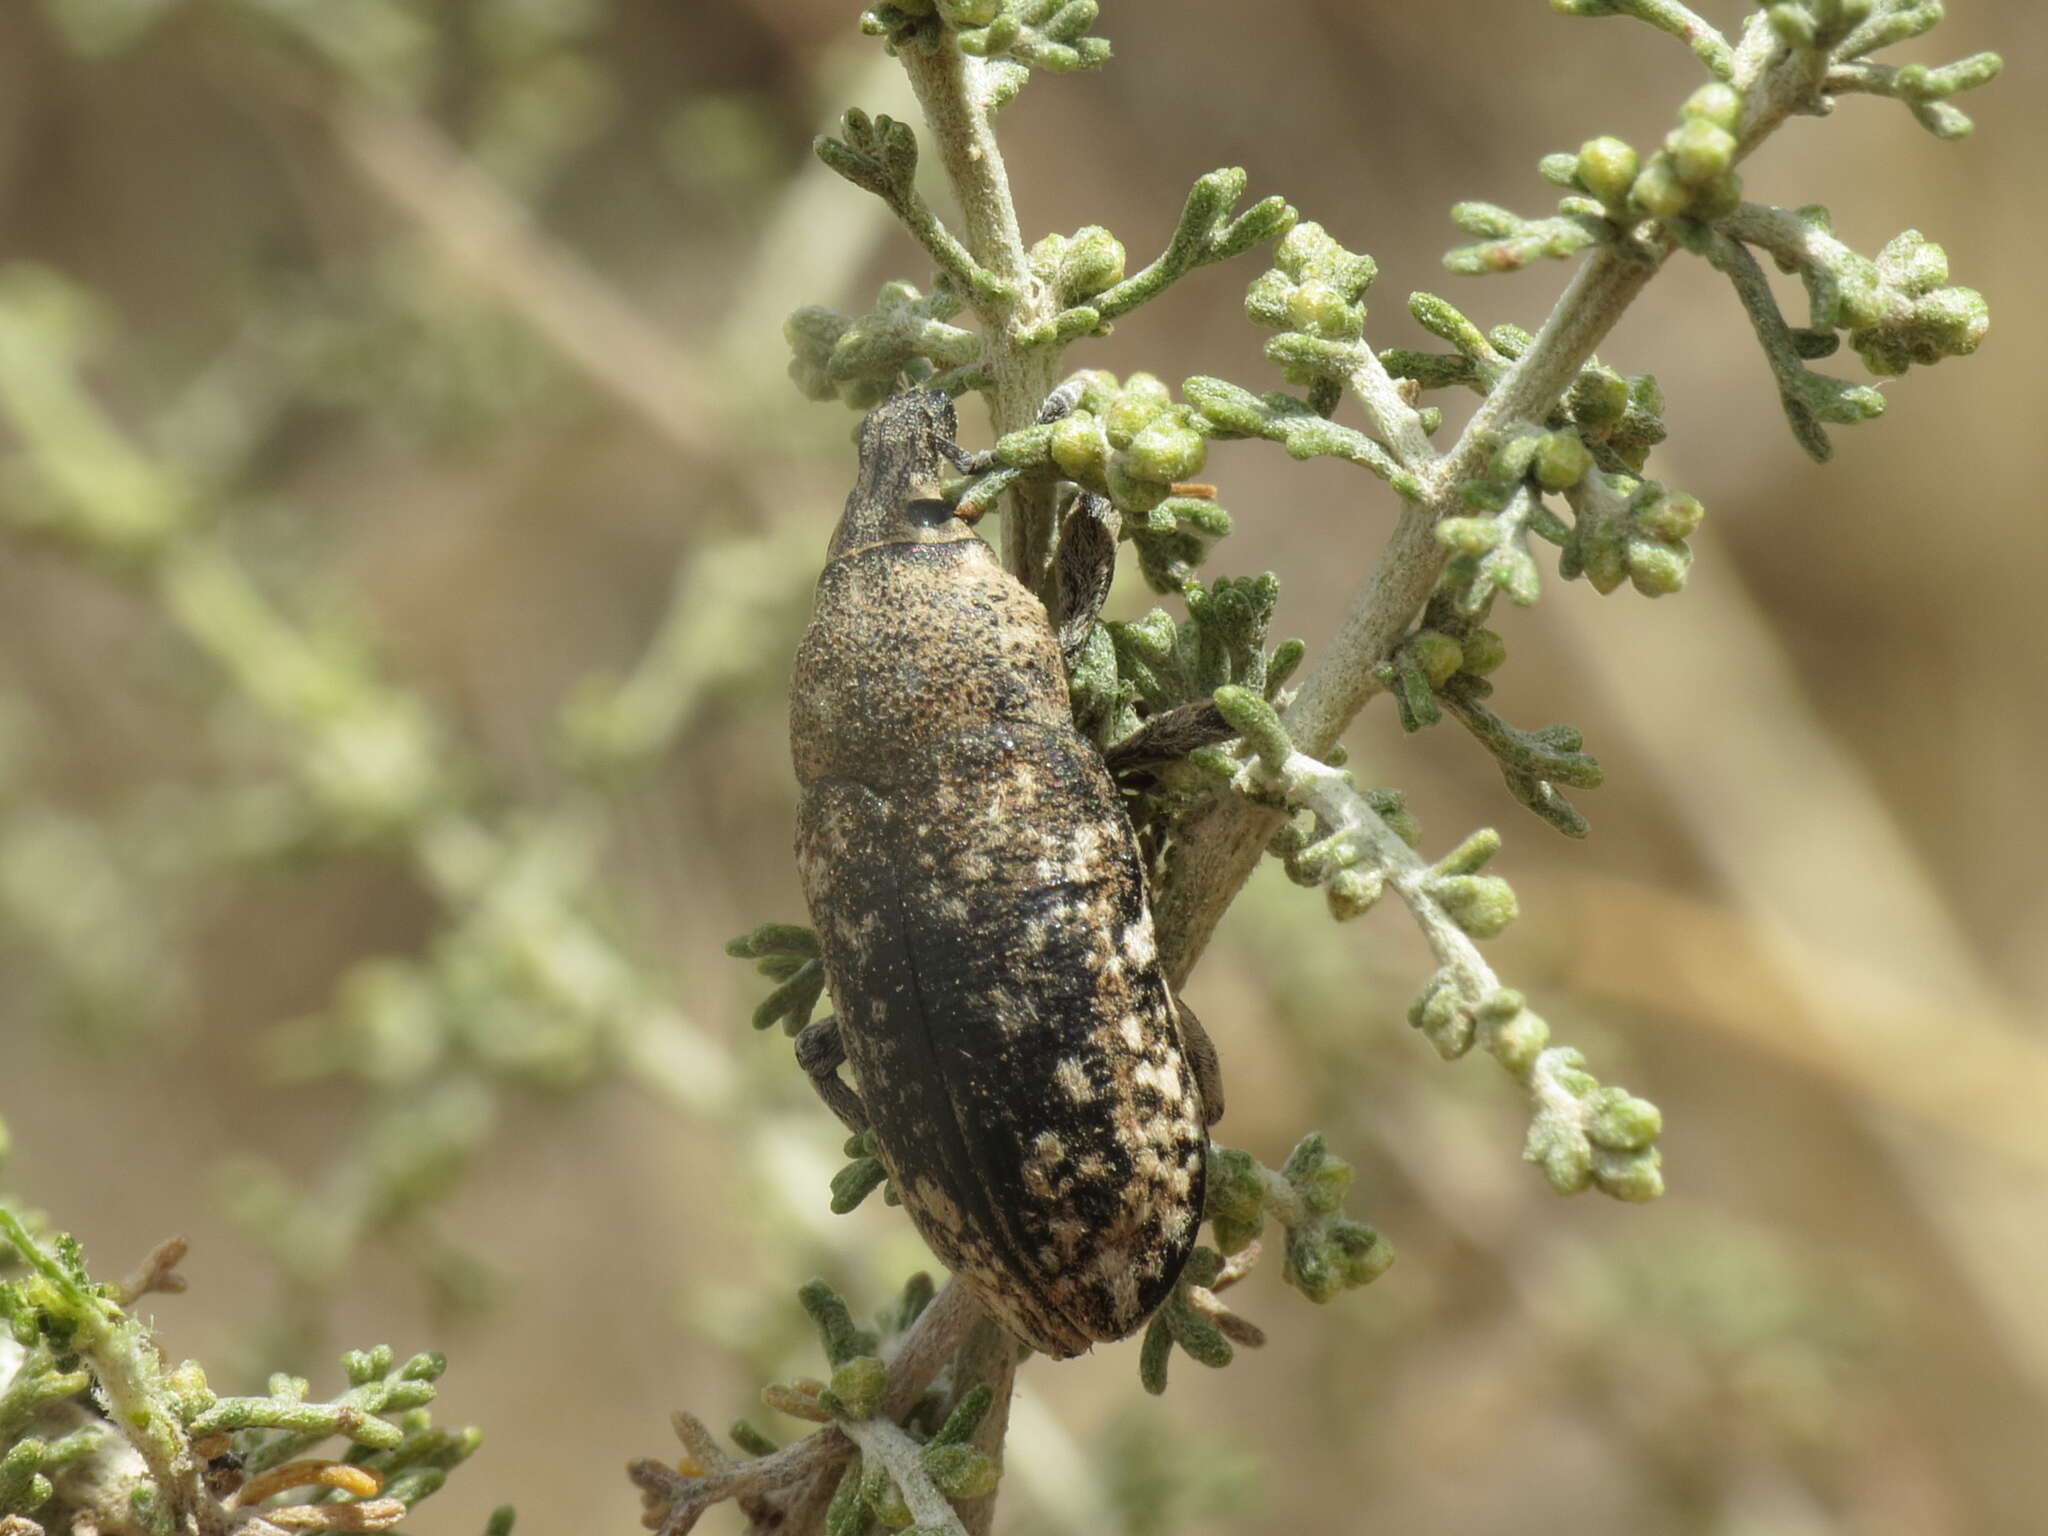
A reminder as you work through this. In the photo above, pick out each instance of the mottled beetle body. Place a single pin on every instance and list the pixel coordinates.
(977, 890)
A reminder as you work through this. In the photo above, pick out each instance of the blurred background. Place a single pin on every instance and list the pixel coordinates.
(404, 526)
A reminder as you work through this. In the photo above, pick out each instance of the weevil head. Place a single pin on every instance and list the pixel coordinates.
(906, 444)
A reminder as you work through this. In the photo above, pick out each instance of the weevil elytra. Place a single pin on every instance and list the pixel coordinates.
(1040, 1099)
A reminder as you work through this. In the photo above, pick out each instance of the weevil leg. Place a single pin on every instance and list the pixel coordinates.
(968, 463)
(820, 1054)
(1201, 1054)
(1168, 738)
(1083, 567)
(1059, 403)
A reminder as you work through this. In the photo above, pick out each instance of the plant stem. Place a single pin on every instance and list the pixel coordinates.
(1220, 844)
(987, 1356)
(952, 90)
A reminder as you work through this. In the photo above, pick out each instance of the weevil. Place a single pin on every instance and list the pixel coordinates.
(1040, 1099)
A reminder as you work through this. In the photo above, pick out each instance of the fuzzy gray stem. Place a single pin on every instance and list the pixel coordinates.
(1392, 419)
(795, 1483)
(987, 1357)
(888, 1446)
(1220, 844)
(952, 90)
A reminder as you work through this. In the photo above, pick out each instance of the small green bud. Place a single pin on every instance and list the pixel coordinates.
(1092, 261)
(1351, 892)
(1607, 168)
(1913, 262)
(1437, 654)
(960, 1471)
(1308, 1268)
(1142, 398)
(1440, 1013)
(1323, 1186)
(1168, 449)
(1561, 461)
(1320, 310)
(1128, 490)
(1484, 652)
(428, 1365)
(1672, 516)
(1306, 1156)
(1567, 1164)
(1950, 322)
(1636, 1177)
(1656, 568)
(1716, 102)
(1571, 1075)
(1622, 1122)
(1699, 151)
(1468, 535)
(1301, 248)
(859, 1384)
(1659, 191)
(1482, 905)
(1517, 1043)
(1361, 1254)
(1599, 396)
(1793, 23)
(1080, 447)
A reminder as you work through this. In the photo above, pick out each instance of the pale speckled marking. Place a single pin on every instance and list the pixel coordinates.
(1073, 1080)
(1163, 1078)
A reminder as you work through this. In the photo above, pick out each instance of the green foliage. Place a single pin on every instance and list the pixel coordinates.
(101, 1428)
(1031, 34)
(1325, 1252)
(1131, 444)
(524, 986)
(788, 954)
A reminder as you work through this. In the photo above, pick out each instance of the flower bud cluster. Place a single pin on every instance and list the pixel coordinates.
(1131, 442)
(1693, 174)
(864, 360)
(1633, 529)
(1923, 319)
(1041, 34)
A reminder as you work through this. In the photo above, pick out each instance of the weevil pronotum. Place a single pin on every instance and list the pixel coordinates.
(1040, 1099)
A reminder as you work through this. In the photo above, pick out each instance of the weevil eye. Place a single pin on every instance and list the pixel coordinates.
(927, 511)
